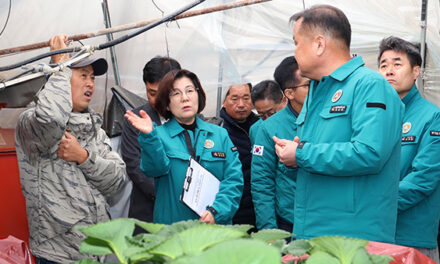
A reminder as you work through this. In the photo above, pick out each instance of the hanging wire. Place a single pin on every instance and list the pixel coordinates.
(166, 26)
(304, 5)
(109, 43)
(104, 113)
(7, 18)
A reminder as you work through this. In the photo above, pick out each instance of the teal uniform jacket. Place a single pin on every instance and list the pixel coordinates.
(349, 156)
(165, 156)
(419, 193)
(254, 130)
(273, 184)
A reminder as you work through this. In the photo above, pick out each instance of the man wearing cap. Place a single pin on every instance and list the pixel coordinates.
(67, 168)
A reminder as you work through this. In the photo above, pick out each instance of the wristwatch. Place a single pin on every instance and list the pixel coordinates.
(212, 210)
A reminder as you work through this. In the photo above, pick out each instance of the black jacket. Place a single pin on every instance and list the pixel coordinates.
(239, 134)
(143, 195)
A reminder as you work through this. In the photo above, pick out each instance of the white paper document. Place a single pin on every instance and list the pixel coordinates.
(199, 188)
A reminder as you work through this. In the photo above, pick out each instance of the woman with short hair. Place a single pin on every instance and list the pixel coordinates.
(165, 152)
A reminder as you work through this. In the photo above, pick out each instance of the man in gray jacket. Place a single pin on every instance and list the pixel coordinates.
(67, 168)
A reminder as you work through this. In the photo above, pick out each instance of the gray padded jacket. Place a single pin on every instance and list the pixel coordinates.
(61, 194)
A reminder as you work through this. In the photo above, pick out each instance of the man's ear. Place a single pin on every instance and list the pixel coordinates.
(416, 72)
(290, 94)
(319, 43)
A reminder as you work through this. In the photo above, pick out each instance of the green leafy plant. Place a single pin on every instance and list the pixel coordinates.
(192, 241)
(334, 250)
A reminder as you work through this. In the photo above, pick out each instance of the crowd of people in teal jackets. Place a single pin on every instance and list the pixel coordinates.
(352, 152)
(334, 148)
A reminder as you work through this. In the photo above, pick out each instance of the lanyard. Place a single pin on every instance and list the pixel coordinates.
(189, 144)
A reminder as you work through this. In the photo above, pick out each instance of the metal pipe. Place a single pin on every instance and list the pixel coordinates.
(108, 24)
(424, 15)
(134, 25)
(108, 44)
(220, 75)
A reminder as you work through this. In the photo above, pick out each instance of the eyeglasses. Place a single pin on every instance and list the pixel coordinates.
(267, 114)
(177, 94)
(296, 86)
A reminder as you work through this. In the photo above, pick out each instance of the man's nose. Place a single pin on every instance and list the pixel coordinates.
(240, 103)
(390, 71)
(90, 82)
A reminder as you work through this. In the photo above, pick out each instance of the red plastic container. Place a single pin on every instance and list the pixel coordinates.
(13, 219)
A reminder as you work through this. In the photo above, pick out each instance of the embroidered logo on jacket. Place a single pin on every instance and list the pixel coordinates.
(406, 127)
(209, 144)
(258, 150)
(337, 96)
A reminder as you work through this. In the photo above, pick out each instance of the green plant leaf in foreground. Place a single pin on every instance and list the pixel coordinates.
(321, 257)
(342, 248)
(237, 251)
(178, 227)
(298, 247)
(150, 227)
(240, 227)
(280, 244)
(362, 257)
(194, 240)
(94, 246)
(380, 259)
(111, 235)
(268, 235)
(87, 261)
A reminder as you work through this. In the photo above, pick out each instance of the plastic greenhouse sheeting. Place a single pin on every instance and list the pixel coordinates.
(244, 44)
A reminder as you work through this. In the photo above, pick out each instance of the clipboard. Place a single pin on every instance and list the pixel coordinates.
(199, 187)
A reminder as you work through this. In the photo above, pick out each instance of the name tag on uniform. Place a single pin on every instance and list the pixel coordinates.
(219, 155)
(409, 139)
(338, 109)
(434, 133)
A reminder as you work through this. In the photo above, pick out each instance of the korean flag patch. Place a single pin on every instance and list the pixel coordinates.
(258, 150)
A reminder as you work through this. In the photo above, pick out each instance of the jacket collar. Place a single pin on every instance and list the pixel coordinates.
(252, 118)
(291, 109)
(348, 68)
(175, 128)
(85, 123)
(411, 95)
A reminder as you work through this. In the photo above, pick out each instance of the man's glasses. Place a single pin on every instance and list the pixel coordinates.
(267, 114)
(296, 86)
